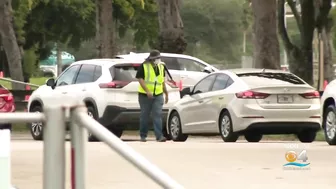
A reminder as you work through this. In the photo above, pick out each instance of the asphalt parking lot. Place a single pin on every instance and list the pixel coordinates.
(196, 164)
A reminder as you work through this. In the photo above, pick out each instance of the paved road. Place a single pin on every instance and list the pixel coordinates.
(197, 164)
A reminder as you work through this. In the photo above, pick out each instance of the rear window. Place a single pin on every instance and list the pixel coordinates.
(124, 72)
(268, 77)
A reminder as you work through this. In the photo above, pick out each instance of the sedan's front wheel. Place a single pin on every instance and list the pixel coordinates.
(175, 128)
(329, 125)
(225, 128)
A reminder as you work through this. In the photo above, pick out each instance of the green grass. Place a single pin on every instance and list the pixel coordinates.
(36, 81)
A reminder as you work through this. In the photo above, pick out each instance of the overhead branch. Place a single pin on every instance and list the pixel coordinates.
(281, 26)
(297, 16)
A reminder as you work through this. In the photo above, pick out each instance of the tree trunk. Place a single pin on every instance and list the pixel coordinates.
(266, 44)
(171, 37)
(328, 50)
(105, 42)
(59, 59)
(9, 43)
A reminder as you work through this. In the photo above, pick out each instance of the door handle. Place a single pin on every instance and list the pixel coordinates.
(83, 89)
(200, 101)
(64, 92)
(183, 76)
(220, 98)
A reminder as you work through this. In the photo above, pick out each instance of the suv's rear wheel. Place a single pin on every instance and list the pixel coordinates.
(36, 128)
(92, 113)
(329, 125)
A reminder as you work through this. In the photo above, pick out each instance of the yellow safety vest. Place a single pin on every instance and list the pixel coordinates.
(151, 79)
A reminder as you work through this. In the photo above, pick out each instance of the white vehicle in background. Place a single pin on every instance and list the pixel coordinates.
(328, 112)
(108, 88)
(183, 68)
(249, 102)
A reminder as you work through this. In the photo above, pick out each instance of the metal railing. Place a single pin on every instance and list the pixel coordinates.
(19, 82)
(55, 117)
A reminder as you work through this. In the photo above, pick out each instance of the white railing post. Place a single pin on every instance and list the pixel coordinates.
(126, 151)
(79, 138)
(5, 168)
(54, 147)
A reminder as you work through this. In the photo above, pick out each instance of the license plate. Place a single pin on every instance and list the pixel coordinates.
(285, 99)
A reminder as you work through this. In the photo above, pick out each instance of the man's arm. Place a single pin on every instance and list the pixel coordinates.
(164, 88)
(143, 85)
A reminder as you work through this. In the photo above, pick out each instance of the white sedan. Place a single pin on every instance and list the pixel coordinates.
(249, 102)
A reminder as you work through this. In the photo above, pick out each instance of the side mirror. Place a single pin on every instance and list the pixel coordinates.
(51, 83)
(185, 91)
(207, 70)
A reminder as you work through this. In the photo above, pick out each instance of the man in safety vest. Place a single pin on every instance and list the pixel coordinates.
(151, 76)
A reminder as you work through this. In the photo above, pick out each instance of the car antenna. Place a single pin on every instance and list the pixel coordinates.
(263, 70)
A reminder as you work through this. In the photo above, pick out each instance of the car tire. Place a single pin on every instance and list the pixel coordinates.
(306, 136)
(329, 122)
(92, 113)
(117, 132)
(36, 128)
(253, 137)
(226, 128)
(165, 132)
(175, 128)
(6, 126)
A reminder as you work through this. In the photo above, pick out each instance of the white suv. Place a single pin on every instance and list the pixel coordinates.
(183, 68)
(107, 86)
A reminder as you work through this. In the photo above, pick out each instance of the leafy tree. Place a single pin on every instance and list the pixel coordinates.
(215, 25)
(9, 42)
(266, 44)
(313, 15)
(171, 35)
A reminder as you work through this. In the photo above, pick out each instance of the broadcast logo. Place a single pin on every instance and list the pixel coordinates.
(294, 160)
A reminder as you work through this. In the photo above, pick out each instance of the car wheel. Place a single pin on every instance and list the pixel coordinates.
(225, 128)
(165, 132)
(253, 137)
(92, 113)
(117, 132)
(307, 136)
(175, 128)
(36, 128)
(329, 125)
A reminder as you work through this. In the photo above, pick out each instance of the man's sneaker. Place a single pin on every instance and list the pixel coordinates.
(163, 139)
(143, 140)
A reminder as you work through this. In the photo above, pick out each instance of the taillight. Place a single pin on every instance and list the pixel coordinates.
(251, 95)
(6, 99)
(114, 84)
(311, 95)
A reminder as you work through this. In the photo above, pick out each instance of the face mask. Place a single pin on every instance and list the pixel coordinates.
(157, 61)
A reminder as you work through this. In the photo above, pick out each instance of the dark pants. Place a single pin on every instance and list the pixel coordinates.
(147, 107)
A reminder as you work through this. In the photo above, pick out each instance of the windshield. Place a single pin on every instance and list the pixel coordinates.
(266, 77)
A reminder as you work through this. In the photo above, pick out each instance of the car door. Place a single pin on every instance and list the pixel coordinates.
(66, 80)
(84, 80)
(220, 98)
(190, 71)
(194, 115)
